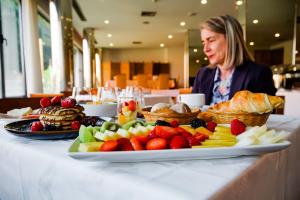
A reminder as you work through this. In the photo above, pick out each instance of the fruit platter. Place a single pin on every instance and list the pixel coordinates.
(138, 140)
(57, 119)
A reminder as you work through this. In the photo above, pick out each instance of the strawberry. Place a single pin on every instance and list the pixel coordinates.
(152, 134)
(211, 126)
(178, 142)
(200, 137)
(125, 103)
(68, 102)
(237, 127)
(193, 141)
(131, 105)
(174, 123)
(136, 144)
(165, 131)
(142, 139)
(45, 102)
(110, 145)
(183, 132)
(124, 144)
(37, 126)
(75, 125)
(56, 100)
(157, 144)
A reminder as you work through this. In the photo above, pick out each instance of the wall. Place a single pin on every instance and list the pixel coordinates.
(173, 55)
(287, 50)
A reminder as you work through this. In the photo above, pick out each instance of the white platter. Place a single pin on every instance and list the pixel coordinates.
(178, 154)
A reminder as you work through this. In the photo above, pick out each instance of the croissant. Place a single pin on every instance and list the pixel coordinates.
(248, 102)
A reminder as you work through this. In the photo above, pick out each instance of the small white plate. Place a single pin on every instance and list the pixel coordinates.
(178, 154)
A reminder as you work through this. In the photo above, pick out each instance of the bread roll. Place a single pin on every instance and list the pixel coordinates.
(248, 102)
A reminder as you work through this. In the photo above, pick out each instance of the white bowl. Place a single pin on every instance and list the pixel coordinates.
(102, 110)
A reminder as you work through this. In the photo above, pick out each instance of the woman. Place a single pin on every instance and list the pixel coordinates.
(231, 67)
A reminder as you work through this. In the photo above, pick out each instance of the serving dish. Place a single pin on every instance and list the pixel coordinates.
(22, 129)
(178, 154)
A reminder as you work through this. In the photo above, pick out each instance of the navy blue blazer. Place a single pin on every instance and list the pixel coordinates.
(248, 76)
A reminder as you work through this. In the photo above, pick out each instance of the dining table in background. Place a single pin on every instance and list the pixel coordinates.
(42, 169)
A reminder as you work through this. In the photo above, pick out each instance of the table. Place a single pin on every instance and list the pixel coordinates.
(32, 169)
(292, 98)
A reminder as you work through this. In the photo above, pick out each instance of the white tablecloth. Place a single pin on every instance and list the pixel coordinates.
(33, 169)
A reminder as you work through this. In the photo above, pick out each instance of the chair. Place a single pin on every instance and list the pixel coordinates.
(142, 80)
(120, 81)
(163, 81)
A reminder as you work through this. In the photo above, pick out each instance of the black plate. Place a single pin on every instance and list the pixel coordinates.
(22, 129)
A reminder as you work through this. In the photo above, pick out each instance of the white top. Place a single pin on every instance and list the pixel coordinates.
(35, 169)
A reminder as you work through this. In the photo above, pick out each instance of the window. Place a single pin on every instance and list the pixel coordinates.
(45, 51)
(12, 66)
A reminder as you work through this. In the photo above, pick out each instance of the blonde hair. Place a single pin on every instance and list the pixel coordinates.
(236, 50)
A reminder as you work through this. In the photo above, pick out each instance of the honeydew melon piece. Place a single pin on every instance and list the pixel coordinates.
(86, 134)
(150, 127)
(133, 131)
(142, 129)
(101, 136)
(96, 129)
(129, 124)
(105, 126)
(90, 146)
(123, 133)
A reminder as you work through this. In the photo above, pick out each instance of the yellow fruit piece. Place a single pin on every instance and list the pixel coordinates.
(203, 130)
(189, 129)
(219, 142)
(90, 146)
(222, 137)
(222, 129)
(122, 119)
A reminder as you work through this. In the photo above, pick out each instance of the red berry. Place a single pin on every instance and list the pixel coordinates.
(193, 141)
(200, 137)
(124, 144)
(68, 103)
(178, 142)
(125, 103)
(152, 134)
(131, 105)
(75, 125)
(174, 123)
(183, 132)
(211, 126)
(136, 144)
(237, 127)
(157, 144)
(56, 100)
(165, 131)
(37, 126)
(110, 145)
(45, 102)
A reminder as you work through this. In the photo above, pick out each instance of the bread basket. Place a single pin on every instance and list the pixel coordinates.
(249, 119)
(182, 118)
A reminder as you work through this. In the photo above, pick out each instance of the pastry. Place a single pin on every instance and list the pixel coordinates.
(181, 108)
(248, 102)
(160, 106)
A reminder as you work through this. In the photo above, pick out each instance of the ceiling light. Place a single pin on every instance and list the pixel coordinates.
(205, 58)
(255, 21)
(197, 61)
(182, 23)
(162, 45)
(111, 44)
(239, 2)
(109, 35)
(106, 22)
(204, 1)
(195, 50)
(277, 34)
(251, 43)
(170, 36)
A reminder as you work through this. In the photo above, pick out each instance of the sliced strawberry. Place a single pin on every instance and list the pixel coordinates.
(131, 105)
(56, 100)
(178, 142)
(37, 126)
(156, 144)
(165, 131)
(142, 139)
(136, 144)
(75, 125)
(68, 102)
(183, 132)
(193, 141)
(45, 102)
(201, 137)
(110, 145)
(124, 144)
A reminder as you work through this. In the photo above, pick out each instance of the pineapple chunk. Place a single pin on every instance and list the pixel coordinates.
(90, 146)
(203, 130)
(123, 133)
